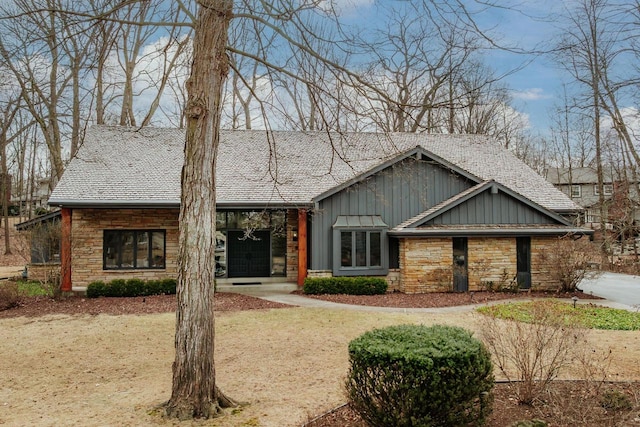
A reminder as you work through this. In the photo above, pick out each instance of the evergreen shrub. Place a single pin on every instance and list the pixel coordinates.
(96, 289)
(414, 375)
(131, 288)
(345, 285)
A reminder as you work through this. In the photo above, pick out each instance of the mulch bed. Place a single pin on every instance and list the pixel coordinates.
(566, 404)
(40, 306)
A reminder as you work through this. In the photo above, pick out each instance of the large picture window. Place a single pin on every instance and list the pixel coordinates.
(133, 249)
(360, 246)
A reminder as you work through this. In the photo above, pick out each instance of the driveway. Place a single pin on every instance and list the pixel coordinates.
(620, 288)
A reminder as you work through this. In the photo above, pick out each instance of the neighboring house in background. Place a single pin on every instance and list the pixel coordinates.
(581, 185)
(428, 212)
(33, 202)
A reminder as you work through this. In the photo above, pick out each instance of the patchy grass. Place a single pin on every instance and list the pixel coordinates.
(585, 315)
(33, 288)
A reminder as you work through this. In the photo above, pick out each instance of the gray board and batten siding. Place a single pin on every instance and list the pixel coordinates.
(398, 192)
(488, 208)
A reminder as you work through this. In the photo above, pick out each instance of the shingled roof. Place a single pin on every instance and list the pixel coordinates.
(118, 166)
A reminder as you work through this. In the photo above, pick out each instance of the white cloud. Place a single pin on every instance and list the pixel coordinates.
(531, 94)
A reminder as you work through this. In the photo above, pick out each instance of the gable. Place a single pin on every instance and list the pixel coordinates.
(399, 191)
(418, 154)
(486, 209)
(492, 208)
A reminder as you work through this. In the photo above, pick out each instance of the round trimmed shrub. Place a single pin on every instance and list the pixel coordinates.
(413, 375)
(96, 289)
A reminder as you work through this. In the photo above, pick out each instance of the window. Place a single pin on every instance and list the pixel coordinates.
(592, 215)
(129, 249)
(576, 191)
(360, 249)
(359, 246)
(608, 189)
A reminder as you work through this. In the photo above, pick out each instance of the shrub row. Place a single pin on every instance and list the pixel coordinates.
(131, 288)
(345, 285)
(414, 375)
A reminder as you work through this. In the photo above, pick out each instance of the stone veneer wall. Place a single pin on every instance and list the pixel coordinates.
(426, 265)
(540, 267)
(87, 234)
(491, 259)
(292, 246)
(319, 273)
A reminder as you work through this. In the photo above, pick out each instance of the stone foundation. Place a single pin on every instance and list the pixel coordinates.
(319, 273)
(491, 262)
(292, 245)
(540, 268)
(426, 265)
(393, 280)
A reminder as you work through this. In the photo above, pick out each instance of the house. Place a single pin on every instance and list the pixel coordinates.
(33, 201)
(428, 212)
(622, 205)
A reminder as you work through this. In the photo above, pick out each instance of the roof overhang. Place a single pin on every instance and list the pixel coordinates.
(502, 231)
(114, 204)
(49, 217)
(170, 204)
(359, 221)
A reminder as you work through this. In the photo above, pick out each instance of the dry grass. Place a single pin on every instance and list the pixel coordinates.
(287, 364)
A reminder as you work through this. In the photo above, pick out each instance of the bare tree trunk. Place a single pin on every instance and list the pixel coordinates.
(195, 393)
(4, 193)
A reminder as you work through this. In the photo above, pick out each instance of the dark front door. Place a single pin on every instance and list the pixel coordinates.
(460, 274)
(523, 255)
(249, 257)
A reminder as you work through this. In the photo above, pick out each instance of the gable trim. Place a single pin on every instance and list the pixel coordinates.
(494, 231)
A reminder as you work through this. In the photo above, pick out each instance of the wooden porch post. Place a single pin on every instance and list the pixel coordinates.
(302, 246)
(65, 250)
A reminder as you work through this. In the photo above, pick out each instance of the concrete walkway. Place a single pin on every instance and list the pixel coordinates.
(11, 272)
(623, 289)
(281, 293)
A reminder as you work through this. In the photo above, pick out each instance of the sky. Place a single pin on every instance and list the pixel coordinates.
(538, 85)
(535, 82)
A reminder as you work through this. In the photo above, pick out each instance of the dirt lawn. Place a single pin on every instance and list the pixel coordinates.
(286, 364)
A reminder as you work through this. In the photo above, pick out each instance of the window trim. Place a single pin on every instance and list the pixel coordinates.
(135, 232)
(607, 189)
(354, 225)
(575, 187)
